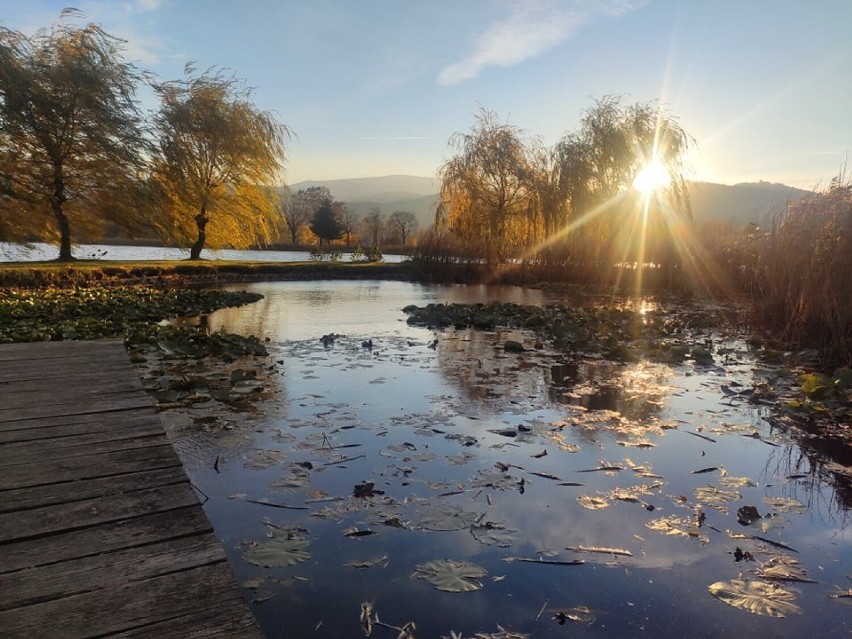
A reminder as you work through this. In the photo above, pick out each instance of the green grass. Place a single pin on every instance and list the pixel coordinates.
(86, 272)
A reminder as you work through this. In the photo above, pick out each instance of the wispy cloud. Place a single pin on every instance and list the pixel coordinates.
(532, 27)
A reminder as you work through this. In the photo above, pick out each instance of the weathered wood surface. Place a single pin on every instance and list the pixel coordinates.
(101, 533)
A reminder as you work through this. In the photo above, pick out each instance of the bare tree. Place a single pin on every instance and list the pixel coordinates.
(349, 223)
(402, 224)
(374, 225)
(301, 206)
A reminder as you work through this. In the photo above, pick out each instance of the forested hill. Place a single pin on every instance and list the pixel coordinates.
(746, 202)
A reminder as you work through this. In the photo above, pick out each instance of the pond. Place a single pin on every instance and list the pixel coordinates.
(572, 497)
(40, 252)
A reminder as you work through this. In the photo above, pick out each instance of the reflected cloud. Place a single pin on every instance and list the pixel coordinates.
(530, 29)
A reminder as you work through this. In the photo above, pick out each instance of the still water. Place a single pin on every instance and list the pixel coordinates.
(510, 462)
(41, 252)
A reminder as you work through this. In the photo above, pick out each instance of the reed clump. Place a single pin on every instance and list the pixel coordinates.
(800, 271)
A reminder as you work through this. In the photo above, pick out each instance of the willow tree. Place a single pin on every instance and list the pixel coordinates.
(488, 196)
(594, 168)
(70, 137)
(216, 162)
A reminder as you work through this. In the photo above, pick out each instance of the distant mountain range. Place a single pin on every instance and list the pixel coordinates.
(738, 203)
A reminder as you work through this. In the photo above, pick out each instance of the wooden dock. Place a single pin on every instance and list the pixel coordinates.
(101, 533)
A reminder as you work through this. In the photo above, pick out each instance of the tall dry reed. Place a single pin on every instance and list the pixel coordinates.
(801, 278)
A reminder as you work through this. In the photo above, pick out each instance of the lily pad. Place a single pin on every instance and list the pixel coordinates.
(783, 568)
(493, 534)
(278, 551)
(447, 517)
(592, 502)
(755, 596)
(451, 576)
(785, 505)
(676, 526)
(716, 498)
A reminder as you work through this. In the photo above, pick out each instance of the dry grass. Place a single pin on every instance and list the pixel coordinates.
(799, 273)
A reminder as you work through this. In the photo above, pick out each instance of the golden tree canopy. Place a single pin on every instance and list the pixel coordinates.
(218, 158)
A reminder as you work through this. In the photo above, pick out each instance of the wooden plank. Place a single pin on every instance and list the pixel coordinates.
(69, 491)
(59, 421)
(29, 351)
(125, 401)
(85, 394)
(77, 576)
(35, 522)
(223, 622)
(85, 542)
(131, 424)
(106, 378)
(101, 533)
(138, 603)
(88, 467)
(29, 452)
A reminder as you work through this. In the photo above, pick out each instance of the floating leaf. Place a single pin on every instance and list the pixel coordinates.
(785, 505)
(730, 481)
(783, 568)
(447, 517)
(770, 522)
(278, 551)
(497, 481)
(674, 525)
(716, 498)
(493, 534)
(451, 576)
(757, 597)
(381, 562)
(592, 502)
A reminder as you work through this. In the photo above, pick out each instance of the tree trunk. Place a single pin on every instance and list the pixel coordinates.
(61, 219)
(201, 221)
(64, 233)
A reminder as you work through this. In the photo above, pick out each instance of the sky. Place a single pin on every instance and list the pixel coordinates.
(378, 87)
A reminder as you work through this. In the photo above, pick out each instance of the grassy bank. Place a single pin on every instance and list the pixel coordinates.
(178, 273)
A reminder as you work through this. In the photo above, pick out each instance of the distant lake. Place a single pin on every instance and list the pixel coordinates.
(40, 252)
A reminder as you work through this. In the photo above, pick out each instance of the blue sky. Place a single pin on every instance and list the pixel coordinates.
(377, 87)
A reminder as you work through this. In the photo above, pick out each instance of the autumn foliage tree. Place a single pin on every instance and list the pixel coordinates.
(593, 169)
(504, 196)
(216, 161)
(70, 141)
(488, 189)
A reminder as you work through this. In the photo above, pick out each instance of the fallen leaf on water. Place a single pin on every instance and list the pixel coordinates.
(756, 597)
(783, 568)
(381, 562)
(278, 551)
(447, 517)
(785, 505)
(493, 533)
(716, 498)
(673, 525)
(451, 576)
(592, 502)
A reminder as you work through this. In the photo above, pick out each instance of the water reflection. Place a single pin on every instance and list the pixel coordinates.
(569, 453)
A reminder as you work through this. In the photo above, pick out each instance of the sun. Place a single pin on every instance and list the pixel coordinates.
(652, 177)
